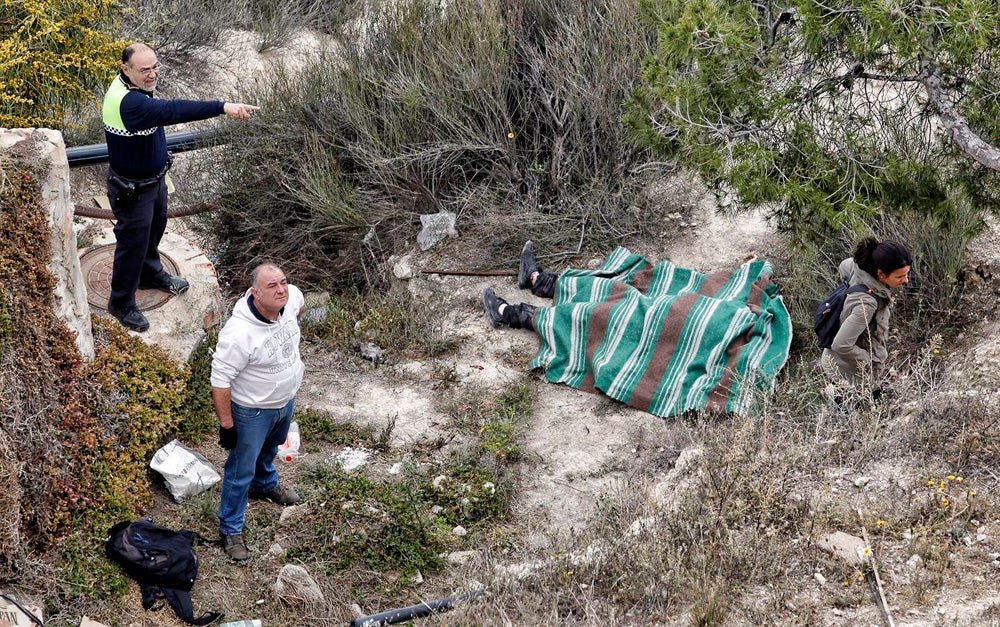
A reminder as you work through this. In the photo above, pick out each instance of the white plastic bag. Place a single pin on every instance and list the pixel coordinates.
(187, 472)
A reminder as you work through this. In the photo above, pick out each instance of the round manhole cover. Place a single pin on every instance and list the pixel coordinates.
(96, 264)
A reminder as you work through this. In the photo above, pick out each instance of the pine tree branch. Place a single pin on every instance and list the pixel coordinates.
(958, 127)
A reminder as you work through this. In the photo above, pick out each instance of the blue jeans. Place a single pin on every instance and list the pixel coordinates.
(250, 466)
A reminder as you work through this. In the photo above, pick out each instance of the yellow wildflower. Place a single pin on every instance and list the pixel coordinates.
(510, 135)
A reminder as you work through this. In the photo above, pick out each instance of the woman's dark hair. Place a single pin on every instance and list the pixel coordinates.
(872, 255)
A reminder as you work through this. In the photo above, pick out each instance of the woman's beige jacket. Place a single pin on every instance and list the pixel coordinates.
(857, 349)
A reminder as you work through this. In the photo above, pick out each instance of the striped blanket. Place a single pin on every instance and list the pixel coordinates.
(666, 339)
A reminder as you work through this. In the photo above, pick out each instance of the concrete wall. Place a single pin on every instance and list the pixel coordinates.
(44, 151)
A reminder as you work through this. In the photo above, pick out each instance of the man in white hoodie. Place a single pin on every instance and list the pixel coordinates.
(256, 371)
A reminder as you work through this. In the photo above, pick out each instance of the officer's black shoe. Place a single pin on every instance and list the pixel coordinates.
(528, 265)
(130, 317)
(167, 283)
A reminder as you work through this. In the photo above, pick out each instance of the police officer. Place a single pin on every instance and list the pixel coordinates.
(137, 154)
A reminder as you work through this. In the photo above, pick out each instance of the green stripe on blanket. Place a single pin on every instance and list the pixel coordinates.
(666, 339)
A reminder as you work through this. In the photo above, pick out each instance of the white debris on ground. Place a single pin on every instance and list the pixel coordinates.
(351, 459)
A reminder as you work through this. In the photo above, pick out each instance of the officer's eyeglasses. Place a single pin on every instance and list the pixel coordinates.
(148, 71)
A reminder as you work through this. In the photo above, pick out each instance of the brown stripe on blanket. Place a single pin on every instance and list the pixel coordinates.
(756, 294)
(713, 283)
(642, 278)
(599, 316)
(642, 396)
(719, 395)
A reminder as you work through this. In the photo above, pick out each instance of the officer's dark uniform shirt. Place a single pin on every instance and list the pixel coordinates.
(133, 126)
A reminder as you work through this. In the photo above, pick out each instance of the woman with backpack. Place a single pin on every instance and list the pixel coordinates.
(859, 349)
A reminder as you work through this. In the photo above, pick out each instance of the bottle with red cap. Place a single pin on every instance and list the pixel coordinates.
(290, 449)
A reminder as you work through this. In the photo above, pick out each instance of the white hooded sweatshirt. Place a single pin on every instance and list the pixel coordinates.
(258, 361)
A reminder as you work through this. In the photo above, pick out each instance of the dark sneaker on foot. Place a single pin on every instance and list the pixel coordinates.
(528, 266)
(168, 283)
(279, 495)
(130, 317)
(491, 305)
(235, 547)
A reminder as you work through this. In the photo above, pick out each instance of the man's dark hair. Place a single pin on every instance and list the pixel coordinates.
(128, 52)
(131, 49)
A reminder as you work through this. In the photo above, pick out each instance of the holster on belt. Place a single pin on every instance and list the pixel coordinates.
(129, 188)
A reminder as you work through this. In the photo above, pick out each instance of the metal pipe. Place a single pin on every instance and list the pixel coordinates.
(172, 212)
(179, 141)
(472, 272)
(414, 611)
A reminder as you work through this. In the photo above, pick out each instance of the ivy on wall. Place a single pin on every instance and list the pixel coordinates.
(83, 432)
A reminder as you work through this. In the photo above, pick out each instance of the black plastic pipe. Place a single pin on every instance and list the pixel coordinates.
(419, 610)
(179, 141)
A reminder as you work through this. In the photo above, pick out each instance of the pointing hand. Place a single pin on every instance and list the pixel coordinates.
(239, 111)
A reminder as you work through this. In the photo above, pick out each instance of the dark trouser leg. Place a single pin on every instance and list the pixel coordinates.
(545, 284)
(152, 268)
(134, 222)
(519, 316)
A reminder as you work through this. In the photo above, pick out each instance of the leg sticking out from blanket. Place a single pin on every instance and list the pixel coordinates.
(498, 312)
(529, 276)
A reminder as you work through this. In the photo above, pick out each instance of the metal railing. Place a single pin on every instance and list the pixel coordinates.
(179, 141)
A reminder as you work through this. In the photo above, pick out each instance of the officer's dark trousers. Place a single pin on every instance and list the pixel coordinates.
(138, 231)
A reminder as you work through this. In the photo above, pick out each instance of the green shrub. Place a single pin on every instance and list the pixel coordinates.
(391, 321)
(505, 425)
(53, 55)
(197, 410)
(41, 389)
(362, 523)
(468, 495)
(87, 430)
(321, 426)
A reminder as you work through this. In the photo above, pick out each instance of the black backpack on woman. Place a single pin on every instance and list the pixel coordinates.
(826, 319)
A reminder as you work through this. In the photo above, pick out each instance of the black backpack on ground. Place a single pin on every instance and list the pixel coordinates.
(826, 320)
(164, 563)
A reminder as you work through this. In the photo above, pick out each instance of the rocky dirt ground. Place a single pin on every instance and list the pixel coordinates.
(579, 445)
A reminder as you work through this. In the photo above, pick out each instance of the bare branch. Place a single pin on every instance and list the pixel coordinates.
(890, 78)
(958, 127)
